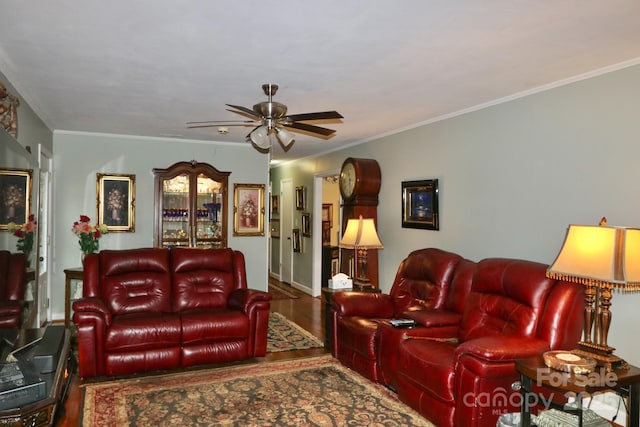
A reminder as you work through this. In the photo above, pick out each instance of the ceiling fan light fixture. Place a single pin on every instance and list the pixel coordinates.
(260, 137)
(285, 137)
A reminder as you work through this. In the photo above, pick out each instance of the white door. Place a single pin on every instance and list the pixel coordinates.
(44, 237)
(286, 225)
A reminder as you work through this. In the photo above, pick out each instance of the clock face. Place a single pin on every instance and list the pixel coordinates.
(347, 180)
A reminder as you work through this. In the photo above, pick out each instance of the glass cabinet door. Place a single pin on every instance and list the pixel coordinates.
(191, 206)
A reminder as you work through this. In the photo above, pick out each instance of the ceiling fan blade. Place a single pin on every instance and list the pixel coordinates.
(324, 115)
(221, 121)
(244, 110)
(221, 124)
(310, 128)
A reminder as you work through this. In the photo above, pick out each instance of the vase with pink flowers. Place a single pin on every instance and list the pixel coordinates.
(25, 234)
(88, 235)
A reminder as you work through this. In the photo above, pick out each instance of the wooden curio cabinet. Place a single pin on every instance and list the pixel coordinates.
(191, 206)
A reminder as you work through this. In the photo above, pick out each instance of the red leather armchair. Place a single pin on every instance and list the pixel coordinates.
(421, 286)
(152, 309)
(12, 284)
(513, 311)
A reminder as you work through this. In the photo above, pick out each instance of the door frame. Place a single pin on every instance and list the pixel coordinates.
(285, 233)
(316, 266)
(42, 304)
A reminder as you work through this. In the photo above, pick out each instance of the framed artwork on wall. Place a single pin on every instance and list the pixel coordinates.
(420, 204)
(248, 209)
(327, 213)
(326, 233)
(300, 198)
(297, 241)
(15, 196)
(306, 224)
(116, 201)
(275, 204)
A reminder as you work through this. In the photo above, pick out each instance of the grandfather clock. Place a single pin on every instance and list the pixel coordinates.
(359, 186)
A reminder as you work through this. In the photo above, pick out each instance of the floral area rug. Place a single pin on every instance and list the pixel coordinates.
(316, 391)
(278, 291)
(285, 335)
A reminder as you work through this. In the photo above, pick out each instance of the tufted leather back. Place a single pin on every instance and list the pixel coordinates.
(508, 297)
(204, 278)
(423, 279)
(12, 276)
(132, 280)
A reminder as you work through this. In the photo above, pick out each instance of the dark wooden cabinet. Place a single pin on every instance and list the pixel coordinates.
(191, 206)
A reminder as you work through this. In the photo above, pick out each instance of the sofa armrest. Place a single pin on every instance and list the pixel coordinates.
(92, 307)
(243, 299)
(364, 304)
(502, 348)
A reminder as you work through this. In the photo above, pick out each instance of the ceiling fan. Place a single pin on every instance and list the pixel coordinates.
(271, 117)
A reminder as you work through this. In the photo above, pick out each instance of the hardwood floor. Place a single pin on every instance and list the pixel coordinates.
(306, 311)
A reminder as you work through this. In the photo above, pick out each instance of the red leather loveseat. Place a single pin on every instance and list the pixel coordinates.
(457, 366)
(12, 286)
(157, 308)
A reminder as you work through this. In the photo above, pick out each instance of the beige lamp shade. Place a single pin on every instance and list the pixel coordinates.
(361, 234)
(599, 256)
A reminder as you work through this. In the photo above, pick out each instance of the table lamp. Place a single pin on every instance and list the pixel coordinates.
(361, 235)
(601, 258)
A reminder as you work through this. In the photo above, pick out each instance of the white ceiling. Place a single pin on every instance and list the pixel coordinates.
(146, 67)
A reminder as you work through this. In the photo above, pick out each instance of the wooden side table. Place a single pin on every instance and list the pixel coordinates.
(70, 274)
(625, 382)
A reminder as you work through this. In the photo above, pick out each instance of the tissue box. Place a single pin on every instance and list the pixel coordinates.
(342, 284)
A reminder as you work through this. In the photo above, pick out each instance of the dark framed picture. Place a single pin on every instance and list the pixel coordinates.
(116, 201)
(15, 196)
(306, 224)
(275, 204)
(420, 204)
(297, 241)
(326, 233)
(300, 198)
(248, 209)
(327, 213)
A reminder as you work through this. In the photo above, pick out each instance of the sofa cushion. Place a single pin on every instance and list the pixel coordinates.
(507, 298)
(136, 280)
(202, 278)
(143, 331)
(199, 326)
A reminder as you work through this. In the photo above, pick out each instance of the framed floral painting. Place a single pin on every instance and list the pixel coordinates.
(116, 201)
(15, 196)
(248, 209)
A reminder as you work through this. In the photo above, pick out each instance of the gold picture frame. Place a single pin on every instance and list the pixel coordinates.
(297, 241)
(306, 224)
(300, 198)
(116, 201)
(248, 209)
(15, 196)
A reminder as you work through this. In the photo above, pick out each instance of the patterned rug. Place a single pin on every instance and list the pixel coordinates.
(278, 291)
(314, 391)
(285, 335)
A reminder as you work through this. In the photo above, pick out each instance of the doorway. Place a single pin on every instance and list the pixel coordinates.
(286, 227)
(43, 290)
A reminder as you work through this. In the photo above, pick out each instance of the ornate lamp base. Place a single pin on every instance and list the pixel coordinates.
(603, 355)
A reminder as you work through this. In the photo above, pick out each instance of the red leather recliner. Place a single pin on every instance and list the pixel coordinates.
(12, 285)
(152, 309)
(422, 285)
(513, 311)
